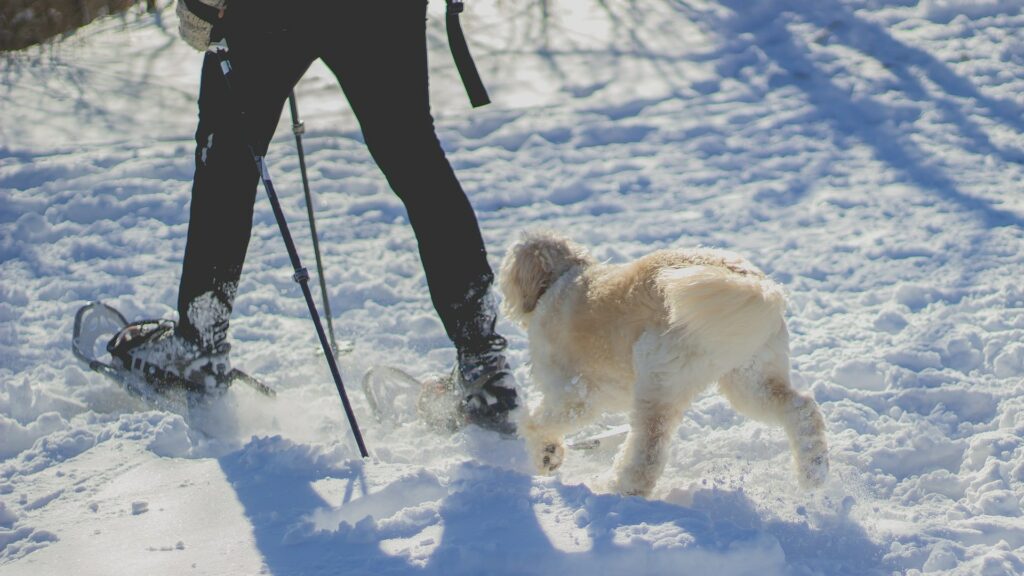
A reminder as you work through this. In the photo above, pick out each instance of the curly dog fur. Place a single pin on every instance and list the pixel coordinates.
(647, 337)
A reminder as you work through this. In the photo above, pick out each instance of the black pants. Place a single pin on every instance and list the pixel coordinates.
(377, 51)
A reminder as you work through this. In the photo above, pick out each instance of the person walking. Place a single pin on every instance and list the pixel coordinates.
(377, 51)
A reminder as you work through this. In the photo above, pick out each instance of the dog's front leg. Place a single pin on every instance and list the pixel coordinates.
(642, 460)
(563, 409)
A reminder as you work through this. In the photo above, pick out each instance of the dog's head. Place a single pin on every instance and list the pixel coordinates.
(531, 266)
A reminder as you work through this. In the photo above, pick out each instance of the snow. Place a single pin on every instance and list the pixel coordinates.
(867, 154)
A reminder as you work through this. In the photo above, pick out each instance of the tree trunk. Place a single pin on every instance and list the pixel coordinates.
(27, 22)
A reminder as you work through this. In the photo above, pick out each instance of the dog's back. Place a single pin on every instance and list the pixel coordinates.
(725, 314)
(701, 297)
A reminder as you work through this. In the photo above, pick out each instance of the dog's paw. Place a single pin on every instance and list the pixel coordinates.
(811, 449)
(550, 457)
(629, 486)
(813, 465)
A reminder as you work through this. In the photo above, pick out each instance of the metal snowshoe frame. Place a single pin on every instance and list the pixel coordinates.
(96, 320)
(89, 327)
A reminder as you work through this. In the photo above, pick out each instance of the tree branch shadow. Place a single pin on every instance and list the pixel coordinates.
(859, 117)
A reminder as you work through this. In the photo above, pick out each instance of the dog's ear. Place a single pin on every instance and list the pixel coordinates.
(522, 280)
(531, 266)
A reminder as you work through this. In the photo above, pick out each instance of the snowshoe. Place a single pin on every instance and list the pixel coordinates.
(440, 403)
(397, 398)
(161, 377)
(151, 349)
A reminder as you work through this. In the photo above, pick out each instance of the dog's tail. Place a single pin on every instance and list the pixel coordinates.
(726, 315)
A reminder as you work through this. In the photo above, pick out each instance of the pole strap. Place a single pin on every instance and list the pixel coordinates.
(463, 59)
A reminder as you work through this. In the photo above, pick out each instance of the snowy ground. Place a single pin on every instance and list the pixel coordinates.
(867, 154)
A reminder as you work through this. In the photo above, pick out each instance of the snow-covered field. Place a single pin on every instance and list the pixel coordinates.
(866, 154)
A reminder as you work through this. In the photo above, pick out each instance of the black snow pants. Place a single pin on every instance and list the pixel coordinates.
(377, 51)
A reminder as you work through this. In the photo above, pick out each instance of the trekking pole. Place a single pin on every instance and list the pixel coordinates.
(301, 275)
(298, 128)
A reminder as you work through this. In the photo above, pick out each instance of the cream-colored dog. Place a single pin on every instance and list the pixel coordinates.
(648, 336)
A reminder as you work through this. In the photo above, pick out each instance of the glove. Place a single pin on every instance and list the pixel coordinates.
(193, 29)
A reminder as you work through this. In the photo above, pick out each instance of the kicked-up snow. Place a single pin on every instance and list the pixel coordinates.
(865, 154)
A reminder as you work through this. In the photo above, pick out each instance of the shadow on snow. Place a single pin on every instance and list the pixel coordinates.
(484, 519)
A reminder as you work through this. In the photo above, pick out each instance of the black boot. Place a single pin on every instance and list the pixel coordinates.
(487, 385)
(155, 352)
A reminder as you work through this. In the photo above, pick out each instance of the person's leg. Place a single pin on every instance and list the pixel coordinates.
(266, 64)
(378, 53)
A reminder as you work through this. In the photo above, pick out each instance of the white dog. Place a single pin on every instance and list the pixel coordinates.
(649, 336)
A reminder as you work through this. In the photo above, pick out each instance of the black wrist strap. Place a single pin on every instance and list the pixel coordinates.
(463, 60)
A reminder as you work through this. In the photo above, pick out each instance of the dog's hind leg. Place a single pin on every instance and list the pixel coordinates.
(761, 389)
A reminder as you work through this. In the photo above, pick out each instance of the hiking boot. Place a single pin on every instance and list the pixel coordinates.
(487, 386)
(153, 351)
